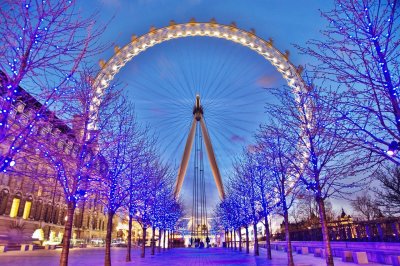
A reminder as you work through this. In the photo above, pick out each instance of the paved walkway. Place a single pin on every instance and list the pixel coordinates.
(174, 257)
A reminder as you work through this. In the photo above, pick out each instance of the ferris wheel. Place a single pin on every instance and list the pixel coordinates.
(222, 64)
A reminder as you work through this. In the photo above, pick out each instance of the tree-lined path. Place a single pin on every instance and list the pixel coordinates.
(176, 257)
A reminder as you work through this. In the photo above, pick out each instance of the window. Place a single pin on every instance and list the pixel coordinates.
(27, 210)
(14, 207)
(39, 192)
(38, 209)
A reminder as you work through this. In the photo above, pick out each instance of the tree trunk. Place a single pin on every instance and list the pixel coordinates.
(256, 251)
(267, 238)
(325, 232)
(128, 253)
(107, 259)
(67, 233)
(153, 241)
(247, 240)
(288, 243)
(226, 239)
(172, 239)
(169, 239)
(142, 255)
(234, 238)
(240, 240)
(159, 240)
(165, 232)
(231, 240)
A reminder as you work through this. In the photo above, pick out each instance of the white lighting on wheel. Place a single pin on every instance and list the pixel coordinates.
(248, 39)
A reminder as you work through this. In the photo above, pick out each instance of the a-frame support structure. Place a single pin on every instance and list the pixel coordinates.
(199, 119)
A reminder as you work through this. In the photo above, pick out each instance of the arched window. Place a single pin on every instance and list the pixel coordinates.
(88, 220)
(38, 209)
(27, 208)
(4, 194)
(47, 213)
(62, 217)
(56, 214)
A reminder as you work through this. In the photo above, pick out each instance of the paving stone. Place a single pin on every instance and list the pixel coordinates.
(173, 257)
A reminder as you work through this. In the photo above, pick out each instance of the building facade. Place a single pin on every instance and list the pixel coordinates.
(32, 204)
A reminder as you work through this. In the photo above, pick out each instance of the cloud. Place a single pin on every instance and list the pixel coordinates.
(236, 138)
(266, 81)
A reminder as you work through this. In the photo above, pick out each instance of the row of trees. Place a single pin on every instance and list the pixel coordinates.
(48, 49)
(331, 137)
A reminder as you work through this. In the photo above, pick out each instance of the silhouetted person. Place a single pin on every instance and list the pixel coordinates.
(208, 241)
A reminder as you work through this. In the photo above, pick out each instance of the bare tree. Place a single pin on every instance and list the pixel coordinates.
(245, 172)
(143, 150)
(118, 143)
(77, 161)
(279, 151)
(306, 210)
(266, 196)
(46, 43)
(359, 51)
(310, 117)
(364, 205)
(388, 192)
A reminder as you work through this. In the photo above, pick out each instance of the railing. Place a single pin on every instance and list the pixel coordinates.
(380, 230)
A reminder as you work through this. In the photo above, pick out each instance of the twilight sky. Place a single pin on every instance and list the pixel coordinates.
(163, 81)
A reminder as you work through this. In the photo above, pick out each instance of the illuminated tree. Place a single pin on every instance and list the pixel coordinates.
(143, 149)
(227, 212)
(77, 161)
(329, 163)
(245, 173)
(46, 44)
(266, 196)
(120, 144)
(278, 152)
(359, 52)
(144, 199)
(161, 192)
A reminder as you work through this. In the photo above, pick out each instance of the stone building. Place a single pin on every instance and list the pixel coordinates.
(32, 205)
